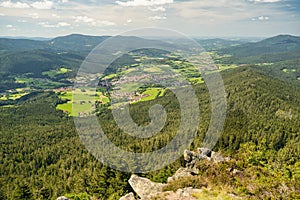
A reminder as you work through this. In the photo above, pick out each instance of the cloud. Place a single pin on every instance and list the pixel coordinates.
(264, 1)
(157, 18)
(34, 15)
(261, 18)
(56, 16)
(10, 4)
(156, 9)
(22, 20)
(42, 5)
(92, 21)
(84, 19)
(9, 26)
(58, 25)
(2, 14)
(144, 2)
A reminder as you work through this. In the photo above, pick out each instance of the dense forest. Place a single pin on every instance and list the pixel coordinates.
(42, 156)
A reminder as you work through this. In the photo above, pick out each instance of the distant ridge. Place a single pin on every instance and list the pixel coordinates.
(277, 44)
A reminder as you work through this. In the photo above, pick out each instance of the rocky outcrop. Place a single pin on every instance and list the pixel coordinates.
(129, 196)
(62, 198)
(192, 158)
(145, 188)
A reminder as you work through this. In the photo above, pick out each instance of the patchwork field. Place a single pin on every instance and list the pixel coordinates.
(84, 103)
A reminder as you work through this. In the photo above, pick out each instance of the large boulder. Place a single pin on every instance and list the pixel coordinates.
(62, 198)
(129, 196)
(145, 188)
(217, 157)
(204, 152)
(183, 172)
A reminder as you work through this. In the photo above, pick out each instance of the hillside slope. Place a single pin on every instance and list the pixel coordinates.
(43, 158)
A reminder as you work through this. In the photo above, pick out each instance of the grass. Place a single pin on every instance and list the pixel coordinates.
(14, 96)
(212, 195)
(152, 93)
(53, 73)
(111, 76)
(225, 67)
(285, 70)
(84, 102)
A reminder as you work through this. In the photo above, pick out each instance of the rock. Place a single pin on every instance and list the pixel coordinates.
(129, 196)
(145, 188)
(62, 198)
(188, 155)
(227, 159)
(204, 152)
(236, 171)
(216, 157)
(170, 179)
(184, 172)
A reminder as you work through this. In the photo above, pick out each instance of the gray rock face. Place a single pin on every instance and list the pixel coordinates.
(216, 157)
(129, 196)
(145, 188)
(62, 198)
(204, 152)
(183, 172)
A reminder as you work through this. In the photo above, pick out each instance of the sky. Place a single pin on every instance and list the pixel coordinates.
(197, 18)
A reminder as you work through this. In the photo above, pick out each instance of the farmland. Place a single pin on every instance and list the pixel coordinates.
(83, 105)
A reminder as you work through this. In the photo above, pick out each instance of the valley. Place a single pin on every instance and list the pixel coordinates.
(43, 157)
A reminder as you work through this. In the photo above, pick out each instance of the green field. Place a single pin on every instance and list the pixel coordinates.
(285, 70)
(152, 93)
(82, 104)
(53, 73)
(13, 96)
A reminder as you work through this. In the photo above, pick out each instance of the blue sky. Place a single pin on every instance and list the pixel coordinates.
(50, 18)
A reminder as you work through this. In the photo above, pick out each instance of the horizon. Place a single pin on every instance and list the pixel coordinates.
(220, 18)
(256, 38)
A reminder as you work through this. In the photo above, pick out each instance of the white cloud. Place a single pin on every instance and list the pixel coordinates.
(156, 9)
(264, 1)
(2, 14)
(10, 4)
(84, 19)
(144, 2)
(9, 26)
(42, 5)
(58, 25)
(105, 23)
(63, 24)
(260, 18)
(92, 21)
(22, 20)
(157, 18)
(34, 15)
(129, 21)
(56, 16)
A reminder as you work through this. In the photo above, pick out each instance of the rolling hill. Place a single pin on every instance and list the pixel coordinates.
(275, 49)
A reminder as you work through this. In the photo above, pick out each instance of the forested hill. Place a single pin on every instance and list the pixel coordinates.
(43, 158)
(74, 42)
(278, 48)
